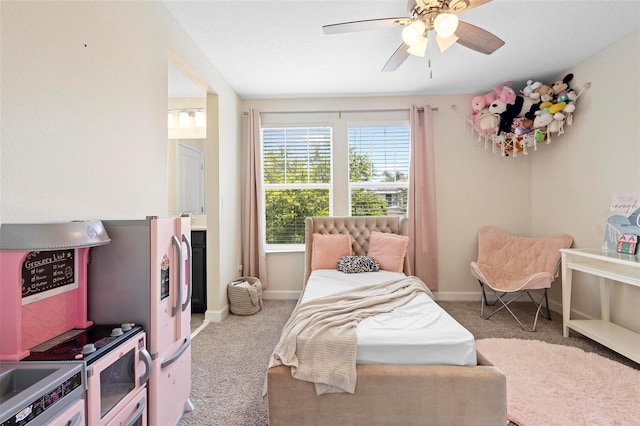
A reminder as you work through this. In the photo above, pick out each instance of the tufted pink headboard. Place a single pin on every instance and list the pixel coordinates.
(359, 227)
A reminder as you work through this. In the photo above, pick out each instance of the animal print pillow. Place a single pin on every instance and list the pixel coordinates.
(355, 264)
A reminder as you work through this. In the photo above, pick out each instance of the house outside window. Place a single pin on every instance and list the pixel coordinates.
(379, 169)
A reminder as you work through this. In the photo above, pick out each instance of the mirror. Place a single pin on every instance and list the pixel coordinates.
(186, 124)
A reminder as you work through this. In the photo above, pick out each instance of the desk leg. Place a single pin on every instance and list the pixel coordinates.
(566, 295)
(605, 297)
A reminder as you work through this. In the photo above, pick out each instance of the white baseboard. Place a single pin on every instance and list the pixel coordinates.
(280, 295)
(449, 296)
(195, 332)
(554, 305)
(557, 307)
(216, 316)
(456, 296)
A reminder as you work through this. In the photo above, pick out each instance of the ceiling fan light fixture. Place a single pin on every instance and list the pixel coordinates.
(445, 43)
(445, 24)
(413, 33)
(419, 48)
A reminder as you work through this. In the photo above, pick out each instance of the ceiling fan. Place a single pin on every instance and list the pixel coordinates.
(424, 16)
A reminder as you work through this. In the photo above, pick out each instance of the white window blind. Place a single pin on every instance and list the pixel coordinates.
(379, 169)
(297, 179)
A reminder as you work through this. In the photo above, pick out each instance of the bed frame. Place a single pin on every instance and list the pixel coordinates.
(388, 394)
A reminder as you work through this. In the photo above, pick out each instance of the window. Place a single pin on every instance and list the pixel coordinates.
(379, 170)
(297, 179)
(357, 168)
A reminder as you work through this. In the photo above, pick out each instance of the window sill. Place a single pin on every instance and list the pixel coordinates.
(285, 248)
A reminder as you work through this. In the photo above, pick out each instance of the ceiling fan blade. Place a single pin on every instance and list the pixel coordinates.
(366, 25)
(399, 56)
(475, 38)
(459, 6)
(411, 4)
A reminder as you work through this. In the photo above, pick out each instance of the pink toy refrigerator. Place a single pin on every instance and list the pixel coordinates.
(144, 276)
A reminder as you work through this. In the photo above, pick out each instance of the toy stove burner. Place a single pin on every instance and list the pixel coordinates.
(87, 345)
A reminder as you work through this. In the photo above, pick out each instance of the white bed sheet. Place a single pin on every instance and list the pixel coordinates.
(420, 332)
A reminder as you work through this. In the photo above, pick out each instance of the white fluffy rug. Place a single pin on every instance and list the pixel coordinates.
(563, 385)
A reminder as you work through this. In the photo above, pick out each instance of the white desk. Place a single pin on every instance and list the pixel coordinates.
(609, 266)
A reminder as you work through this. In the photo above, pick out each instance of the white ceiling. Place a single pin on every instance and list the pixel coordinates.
(276, 49)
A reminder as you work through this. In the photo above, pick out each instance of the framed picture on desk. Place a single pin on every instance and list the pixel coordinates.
(623, 220)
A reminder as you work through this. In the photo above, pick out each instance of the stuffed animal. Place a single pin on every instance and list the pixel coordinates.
(506, 112)
(546, 93)
(557, 125)
(566, 94)
(505, 93)
(481, 102)
(521, 126)
(530, 90)
(542, 120)
(562, 86)
(523, 107)
(557, 107)
(571, 107)
(485, 123)
(539, 135)
(569, 96)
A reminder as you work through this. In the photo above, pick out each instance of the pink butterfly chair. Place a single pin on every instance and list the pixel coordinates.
(513, 265)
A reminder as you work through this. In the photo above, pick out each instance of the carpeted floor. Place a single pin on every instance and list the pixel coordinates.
(229, 364)
(230, 358)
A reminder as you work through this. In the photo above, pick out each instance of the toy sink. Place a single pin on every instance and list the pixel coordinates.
(16, 380)
(37, 391)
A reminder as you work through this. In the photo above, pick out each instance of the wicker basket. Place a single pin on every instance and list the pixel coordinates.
(245, 296)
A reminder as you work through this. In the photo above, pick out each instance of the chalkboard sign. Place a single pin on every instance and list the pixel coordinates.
(46, 273)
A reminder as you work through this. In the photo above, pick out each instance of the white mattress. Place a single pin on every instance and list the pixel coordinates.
(420, 332)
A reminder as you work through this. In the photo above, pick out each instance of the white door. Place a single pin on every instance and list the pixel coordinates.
(190, 186)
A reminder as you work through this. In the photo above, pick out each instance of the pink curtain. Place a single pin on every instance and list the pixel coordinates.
(254, 262)
(421, 210)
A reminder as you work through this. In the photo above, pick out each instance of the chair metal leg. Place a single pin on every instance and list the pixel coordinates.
(505, 305)
(546, 312)
(484, 295)
(483, 301)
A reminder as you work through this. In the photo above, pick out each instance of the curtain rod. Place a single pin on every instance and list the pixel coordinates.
(340, 111)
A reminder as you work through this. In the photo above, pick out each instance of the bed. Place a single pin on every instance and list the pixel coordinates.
(442, 382)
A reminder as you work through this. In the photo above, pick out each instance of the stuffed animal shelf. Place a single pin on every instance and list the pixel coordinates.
(515, 120)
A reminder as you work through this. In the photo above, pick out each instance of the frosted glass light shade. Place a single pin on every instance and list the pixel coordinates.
(412, 33)
(201, 119)
(183, 119)
(419, 48)
(445, 43)
(445, 24)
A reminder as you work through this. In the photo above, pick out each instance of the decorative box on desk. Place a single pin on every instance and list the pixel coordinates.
(609, 266)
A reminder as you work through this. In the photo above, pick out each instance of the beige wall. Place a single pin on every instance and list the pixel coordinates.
(474, 186)
(572, 183)
(84, 120)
